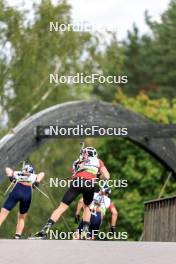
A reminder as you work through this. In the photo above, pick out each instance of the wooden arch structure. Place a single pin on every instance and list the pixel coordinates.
(22, 141)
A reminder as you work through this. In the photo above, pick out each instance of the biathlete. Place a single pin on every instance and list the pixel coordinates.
(98, 208)
(84, 174)
(23, 182)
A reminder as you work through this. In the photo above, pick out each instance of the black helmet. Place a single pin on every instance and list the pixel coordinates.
(106, 189)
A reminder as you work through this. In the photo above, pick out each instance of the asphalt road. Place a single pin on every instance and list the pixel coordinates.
(85, 252)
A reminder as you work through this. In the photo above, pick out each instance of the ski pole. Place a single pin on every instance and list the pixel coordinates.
(81, 150)
(23, 164)
(8, 188)
(47, 183)
(42, 192)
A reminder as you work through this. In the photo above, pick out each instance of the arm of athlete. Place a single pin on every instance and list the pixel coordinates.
(74, 168)
(38, 179)
(104, 174)
(10, 174)
(40, 176)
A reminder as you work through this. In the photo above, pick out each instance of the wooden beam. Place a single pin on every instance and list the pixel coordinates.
(22, 141)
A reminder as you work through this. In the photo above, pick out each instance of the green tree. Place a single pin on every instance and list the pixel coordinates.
(150, 58)
(144, 174)
(108, 62)
(33, 52)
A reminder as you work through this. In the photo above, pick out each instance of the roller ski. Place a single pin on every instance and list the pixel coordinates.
(43, 233)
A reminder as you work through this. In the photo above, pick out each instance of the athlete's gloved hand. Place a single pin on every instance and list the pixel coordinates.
(12, 179)
(20, 174)
(35, 184)
(113, 229)
(98, 175)
(77, 218)
(76, 165)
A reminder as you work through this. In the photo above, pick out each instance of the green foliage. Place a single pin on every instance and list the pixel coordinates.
(109, 62)
(150, 59)
(30, 52)
(35, 52)
(144, 174)
(159, 110)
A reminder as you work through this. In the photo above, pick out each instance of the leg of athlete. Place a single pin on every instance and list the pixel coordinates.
(86, 213)
(88, 193)
(59, 211)
(3, 215)
(95, 223)
(69, 196)
(8, 205)
(20, 225)
(42, 234)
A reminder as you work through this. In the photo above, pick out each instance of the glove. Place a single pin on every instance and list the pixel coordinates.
(76, 165)
(35, 184)
(98, 175)
(113, 229)
(20, 174)
(12, 179)
(77, 219)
